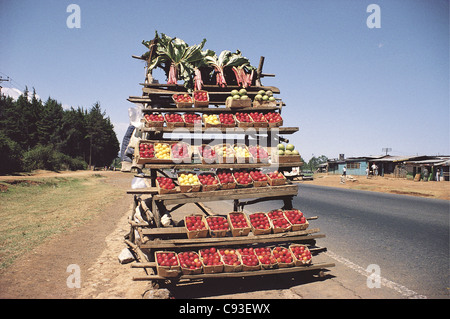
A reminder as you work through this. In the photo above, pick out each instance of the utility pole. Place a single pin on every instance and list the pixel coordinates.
(3, 80)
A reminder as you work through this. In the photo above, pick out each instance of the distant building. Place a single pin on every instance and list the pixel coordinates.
(394, 166)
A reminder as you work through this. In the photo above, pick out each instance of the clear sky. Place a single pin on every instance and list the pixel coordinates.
(351, 89)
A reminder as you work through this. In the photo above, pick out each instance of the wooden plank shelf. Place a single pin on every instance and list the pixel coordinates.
(228, 130)
(222, 194)
(262, 272)
(297, 236)
(177, 88)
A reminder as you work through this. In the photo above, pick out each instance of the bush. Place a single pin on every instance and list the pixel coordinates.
(10, 155)
(45, 157)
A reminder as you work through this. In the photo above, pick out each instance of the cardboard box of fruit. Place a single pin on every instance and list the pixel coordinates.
(243, 178)
(225, 154)
(286, 154)
(211, 261)
(250, 261)
(259, 119)
(183, 100)
(145, 153)
(153, 120)
(239, 224)
(280, 223)
(227, 120)
(274, 119)
(231, 260)
(196, 226)
(190, 263)
(283, 256)
(174, 120)
(238, 99)
(276, 178)
(260, 223)
(301, 253)
(165, 185)
(167, 264)
(218, 225)
(211, 120)
(207, 154)
(297, 220)
(243, 120)
(226, 179)
(266, 258)
(209, 181)
(259, 178)
(264, 98)
(188, 182)
(192, 119)
(181, 152)
(242, 154)
(259, 153)
(201, 98)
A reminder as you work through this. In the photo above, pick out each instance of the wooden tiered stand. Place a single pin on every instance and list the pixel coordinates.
(152, 236)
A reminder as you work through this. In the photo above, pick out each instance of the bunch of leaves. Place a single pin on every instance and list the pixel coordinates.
(176, 58)
(227, 59)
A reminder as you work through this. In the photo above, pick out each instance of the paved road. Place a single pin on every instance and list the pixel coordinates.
(407, 237)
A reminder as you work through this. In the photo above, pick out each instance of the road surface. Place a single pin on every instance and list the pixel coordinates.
(406, 238)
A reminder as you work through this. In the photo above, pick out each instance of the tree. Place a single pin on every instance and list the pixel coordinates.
(314, 162)
(103, 143)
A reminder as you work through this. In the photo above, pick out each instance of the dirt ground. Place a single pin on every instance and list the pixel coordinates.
(94, 247)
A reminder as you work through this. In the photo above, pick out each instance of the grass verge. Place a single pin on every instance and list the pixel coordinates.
(32, 212)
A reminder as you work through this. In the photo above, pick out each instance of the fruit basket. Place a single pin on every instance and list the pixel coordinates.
(242, 154)
(225, 153)
(174, 120)
(266, 258)
(207, 154)
(162, 153)
(167, 263)
(259, 120)
(211, 260)
(182, 100)
(259, 153)
(201, 98)
(279, 222)
(211, 120)
(218, 225)
(153, 120)
(259, 178)
(283, 256)
(250, 261)
(227, 120)
(238, 103)
(301, 253)
(181, 152)
(165, 185)
(231, 260)
(196, 226)
(276, 178)
(260, 223)
(297, 220)
(243, 120)
(192, 119)
(188, 182)
(145, 153)
(239, 224)
(226, 179)
(190, 263)
(274, 119)
(209, 181)
(242, 178)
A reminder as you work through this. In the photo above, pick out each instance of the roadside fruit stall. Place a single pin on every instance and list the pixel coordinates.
(214, 133)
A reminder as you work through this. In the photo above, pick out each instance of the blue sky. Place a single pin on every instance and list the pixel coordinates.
(350, 89)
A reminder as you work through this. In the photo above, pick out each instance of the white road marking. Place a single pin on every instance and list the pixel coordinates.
(404, 291)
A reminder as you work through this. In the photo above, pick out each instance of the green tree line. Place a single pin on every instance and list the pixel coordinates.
(43, 135)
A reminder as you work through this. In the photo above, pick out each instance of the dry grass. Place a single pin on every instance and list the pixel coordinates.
(437, 190)
(33, 210)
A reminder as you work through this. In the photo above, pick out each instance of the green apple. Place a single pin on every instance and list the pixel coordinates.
(290, 147)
